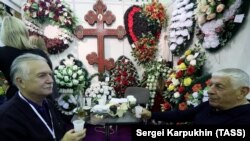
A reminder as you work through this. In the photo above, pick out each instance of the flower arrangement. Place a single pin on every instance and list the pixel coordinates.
(72, 79)
(70, 74)
(155, 13)
(181, 27)
(123, 75)
(58, 41)
(98, 90)
(144, 49)
(180, 78)
(55, 12)
(216, 21)
(198, 94)
(154, 70)
(143, 26)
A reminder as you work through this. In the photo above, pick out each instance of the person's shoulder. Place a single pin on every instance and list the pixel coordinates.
(11, 108)
(6, 108)
(8, 48)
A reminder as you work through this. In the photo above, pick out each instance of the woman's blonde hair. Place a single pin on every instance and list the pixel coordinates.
(14, 33)
(38, 42)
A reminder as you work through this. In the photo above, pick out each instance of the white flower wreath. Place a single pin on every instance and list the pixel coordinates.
(181, 25)
(71, 78)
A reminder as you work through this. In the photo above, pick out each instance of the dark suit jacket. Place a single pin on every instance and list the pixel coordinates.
(18, 122)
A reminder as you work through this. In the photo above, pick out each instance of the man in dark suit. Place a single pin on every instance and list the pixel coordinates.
(29, 115)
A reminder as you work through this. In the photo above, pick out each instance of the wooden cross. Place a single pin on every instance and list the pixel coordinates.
(100, 16)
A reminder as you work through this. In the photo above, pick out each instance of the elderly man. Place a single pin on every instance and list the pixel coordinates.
(227, 102)
(29, 115)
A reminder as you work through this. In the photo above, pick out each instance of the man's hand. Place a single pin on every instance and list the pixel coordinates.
(146, 114)
(71, 135)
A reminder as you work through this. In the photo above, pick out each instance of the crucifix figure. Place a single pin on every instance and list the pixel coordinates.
(100, 16)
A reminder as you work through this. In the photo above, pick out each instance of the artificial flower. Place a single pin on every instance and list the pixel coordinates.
(98, 90)
(71, 75)
(216, 21)
(72, 79)
(154, 70)
(181, 78)
(181, 26)
(54, 12)
(123, 75)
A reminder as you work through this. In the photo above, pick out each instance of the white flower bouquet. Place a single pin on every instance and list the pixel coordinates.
(71, 74)
(71, 78)
(99, 90)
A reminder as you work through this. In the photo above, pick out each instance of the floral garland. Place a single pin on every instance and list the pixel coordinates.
(55, 12)
(72, 79)
(154, 70)
(216, 21)
(99, 89)
(181, 27)
(123, 75)
(143, 25)
(182, 76)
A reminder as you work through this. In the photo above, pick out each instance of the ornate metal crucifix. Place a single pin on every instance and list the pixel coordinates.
(100, 16)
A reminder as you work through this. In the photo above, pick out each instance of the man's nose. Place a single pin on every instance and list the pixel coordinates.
(50, 79)
(210, 90)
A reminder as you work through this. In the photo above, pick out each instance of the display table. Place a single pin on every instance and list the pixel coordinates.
(127, 119)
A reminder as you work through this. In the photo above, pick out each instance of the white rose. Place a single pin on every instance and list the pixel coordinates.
(66, 78)
(75, 82)
(173, 47)
(190, 57)
(60, 67)
(180, 40)
(74, 75)
(195, 95)
(193, 62)
(64, 72)
(74, 67)
(81, 78)
(65, 105)
(205, 93)
(79, 72)
(204, 99)
(176, 95)
(56, 72)
(69, 84)
(70, 72)
(101, 90)
(175, 82)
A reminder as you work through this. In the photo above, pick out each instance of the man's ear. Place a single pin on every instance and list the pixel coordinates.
(245, 91)
(19, 82)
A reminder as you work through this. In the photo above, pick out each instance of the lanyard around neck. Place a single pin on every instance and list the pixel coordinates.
(51, 130)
